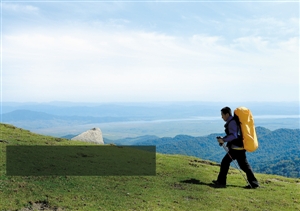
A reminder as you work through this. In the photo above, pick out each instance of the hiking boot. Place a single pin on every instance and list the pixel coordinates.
(217, 184)
(251, 187)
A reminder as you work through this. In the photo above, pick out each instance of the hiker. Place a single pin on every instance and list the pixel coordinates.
(236, 151)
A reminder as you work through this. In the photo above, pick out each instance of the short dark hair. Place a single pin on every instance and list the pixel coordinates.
(226, 110)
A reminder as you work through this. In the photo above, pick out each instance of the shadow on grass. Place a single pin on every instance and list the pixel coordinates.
(198, 182)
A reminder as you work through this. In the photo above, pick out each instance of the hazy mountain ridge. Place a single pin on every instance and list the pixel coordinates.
(28, 115)
(153, 118)
(151, 109)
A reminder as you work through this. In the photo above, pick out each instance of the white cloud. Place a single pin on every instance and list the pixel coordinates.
(206, 40)
(136, 65)
(250, 43)
(118, 22)
(19, 8)
(104, 60)
(81, 64)
(291, 45)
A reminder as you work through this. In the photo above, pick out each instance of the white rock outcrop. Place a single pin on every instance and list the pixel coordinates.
(93, 135)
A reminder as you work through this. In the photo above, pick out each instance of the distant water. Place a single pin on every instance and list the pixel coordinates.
(200, 118)
(277, 117)
(194, 126)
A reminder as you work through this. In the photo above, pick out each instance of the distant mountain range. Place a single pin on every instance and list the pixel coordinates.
(45, 118)
(28, 115)
(150, 110)
(278, 151)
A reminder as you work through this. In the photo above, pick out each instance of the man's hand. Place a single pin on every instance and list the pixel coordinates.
(221, 141)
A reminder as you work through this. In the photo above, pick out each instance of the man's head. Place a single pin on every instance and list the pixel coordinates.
(226, 113)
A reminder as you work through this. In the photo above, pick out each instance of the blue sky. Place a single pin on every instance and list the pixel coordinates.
(150, 51)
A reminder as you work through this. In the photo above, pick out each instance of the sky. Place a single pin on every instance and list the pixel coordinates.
(142, 51)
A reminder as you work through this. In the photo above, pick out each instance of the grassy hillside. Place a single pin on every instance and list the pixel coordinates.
(181, 183)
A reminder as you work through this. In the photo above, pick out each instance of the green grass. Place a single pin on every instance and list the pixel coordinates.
(181, 183)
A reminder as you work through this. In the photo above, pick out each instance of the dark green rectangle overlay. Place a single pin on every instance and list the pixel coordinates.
(81, 160)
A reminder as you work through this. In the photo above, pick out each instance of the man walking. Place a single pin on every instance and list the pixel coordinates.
(236, 152)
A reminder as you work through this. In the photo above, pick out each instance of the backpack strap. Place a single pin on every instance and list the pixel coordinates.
(237, 120)
(239, 141)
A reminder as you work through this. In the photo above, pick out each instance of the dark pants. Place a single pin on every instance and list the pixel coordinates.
(240, 156)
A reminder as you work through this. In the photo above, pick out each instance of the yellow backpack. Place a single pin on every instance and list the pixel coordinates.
(245, 119)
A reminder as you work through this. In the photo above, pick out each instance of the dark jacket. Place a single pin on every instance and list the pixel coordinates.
(233, 136)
